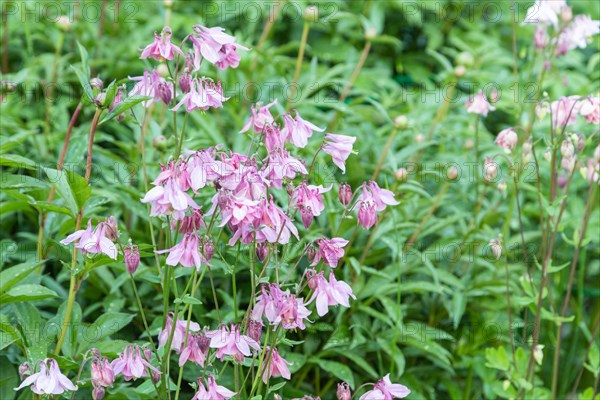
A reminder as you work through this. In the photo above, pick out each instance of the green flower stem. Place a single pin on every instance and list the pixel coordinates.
(305, 30)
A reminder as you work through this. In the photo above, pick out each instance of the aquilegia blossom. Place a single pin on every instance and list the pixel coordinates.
(297, 130)
(131, 364)
(178, 334)
(161, 48)
(339, 147)
(195, 350)
(230, 342)
(386, 390)
(102, 373)
(259, 118)
(330, 293)
(93, 241)
(507, 138)
(49, 380)
(212, 391)
(330, 250)
(280, 307)
(187, 252)
(216, 46)
(277, 365)
(478, 104)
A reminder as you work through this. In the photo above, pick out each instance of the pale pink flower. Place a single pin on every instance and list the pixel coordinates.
(564, 111)
(49, 380)
(101, 372)
(203, 94)
(260, 117)
(544, 12)
(195, 350)
(507, 138)
(93, 241)
(339, 148)
(298, 130)
(187, 253)
(229, 57)
(148, 85)
(178, 333)
(279, 165)
(277, 365)
(386, 390)
(309, 199)
(191, 223)
(161, 48)
(131, 364)
(330, 250)
(367, 214)
(590, 109)
(230, 342)
(216, 46)
(580, 31)
(169, 199)
(280, 307)
(593, 171)
(343, 392)
(540, 39)
(478, 104)
(214, 391)
(328, 294)
(380, 197)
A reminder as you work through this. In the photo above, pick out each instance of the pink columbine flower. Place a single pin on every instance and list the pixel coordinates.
(101, 372)
(386, 390)
(186, 253)
(178, 334)
(380, 197)
(132, 258)
(230, 342)
(229, 57)
(195, 350)
(192, 223)
(216, 46)
(162, 48)
(203, 94)
(367, 214)
(330, 250)
(579, 33)
(49, 380)
(544, 12)
(279, 165)
(328, 294)
(298, 130)
(280, 307)
(277, 366)
(590, 109)
(93, 241)
(260, 117)
(339, 148)
(478, 104)
(564, 111)
(343, 392)
(131, 364)
(214, 391)
(169, 199)
(148, 85)
(507, 138)
(309, 199)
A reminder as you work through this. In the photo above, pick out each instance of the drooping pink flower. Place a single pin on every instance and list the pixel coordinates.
(544, 12)
(579, 33)
(131, 364)
(339, 148)
(178, 333)
(132, 258)
(592, 171)
(380, 197)
(101, 372)
(260, 117)
(540, 39)
(148, 85)
(280, 307)
(93, 241)
(298, 130)
(478, 104)
(330, 250)
(216, 46)
(187, 253)
(345, 194)
(309, 199)
(367, 215)
(203, 94)
(343, 392)
(229, 57)
(328, 294)
(162, 48)
(49, 380)
(230, 342)
(277, 365)
(590, 109)
(279, 165)
(195, 350)
(386, 390)
(564, 111)
(214, 391)
(192, 223)
(507, 138)
(169, 199)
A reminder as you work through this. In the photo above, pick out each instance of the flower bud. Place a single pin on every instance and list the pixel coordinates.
(496, 248)
(469, 144)
(579, 140)
(209, 249)
(99, 99)
(452, 173)
(147, 353)
(262, 249)
(567, 149)
(541, 109)
(490, 168)
(401, 174)
(95, 352)
(419, 138)
(64, 23)
(370, 34)
(289, 188)
(540, 39)
(155, 376)
(164, 92)
(132, 258)
(460, 71)
(311, 252)
(311, 278)
(568, 163)
(162, 70)
(343, 391)
(502, 187)
(98, 393)
(185, 83)
(255, 329)
(538, 353)
(345, 193)
(465, 59)
(566, 13)
(562, 181)
(159, 142)
(401, 122)
(96, 83)
(24, 370)
(311, 13)
(548, 154)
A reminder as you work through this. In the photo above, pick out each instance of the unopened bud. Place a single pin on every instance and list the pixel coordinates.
(96, 83)
(209, 249)
(311, 252)
(343, 391)
(568, 163)
(490, 169)
(419, 138)
(162, 70)
(155, 376)
(566, 13)
(165, 93)
(64, 23)
(185, 83)
(538, 353)
(345, 193)
(452, 173)
(579, 140)
(541, 109)
(540, 39)
(502, 187)
(147, 353)
(465, 59)
(567, 149)
(132, 258)
(401, 174)
(262, 249)
(469, 144)
(401, 122)
(370, 33)
(562, 181)
(255, 329)
(289, 188)
(24, 370)
(98, 393)
(460, 71)
(311, 13)
(159, 142)
(496, 248)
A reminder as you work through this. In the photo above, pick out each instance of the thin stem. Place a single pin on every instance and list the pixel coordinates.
(386, 149)
(180, 144)
(139, 304)
(294, 85)
(508, 311)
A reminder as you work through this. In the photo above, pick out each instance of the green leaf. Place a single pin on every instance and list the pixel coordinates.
(85, 83)
(123, 106)
(339, 370)
(84, 59)
(106, 325)
(9, 277)
(72, 187)
(497, 358)
(14, 160)
(29, 292)
(187, 299)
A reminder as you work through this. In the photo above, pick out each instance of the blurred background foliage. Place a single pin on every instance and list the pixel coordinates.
(426, 315)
